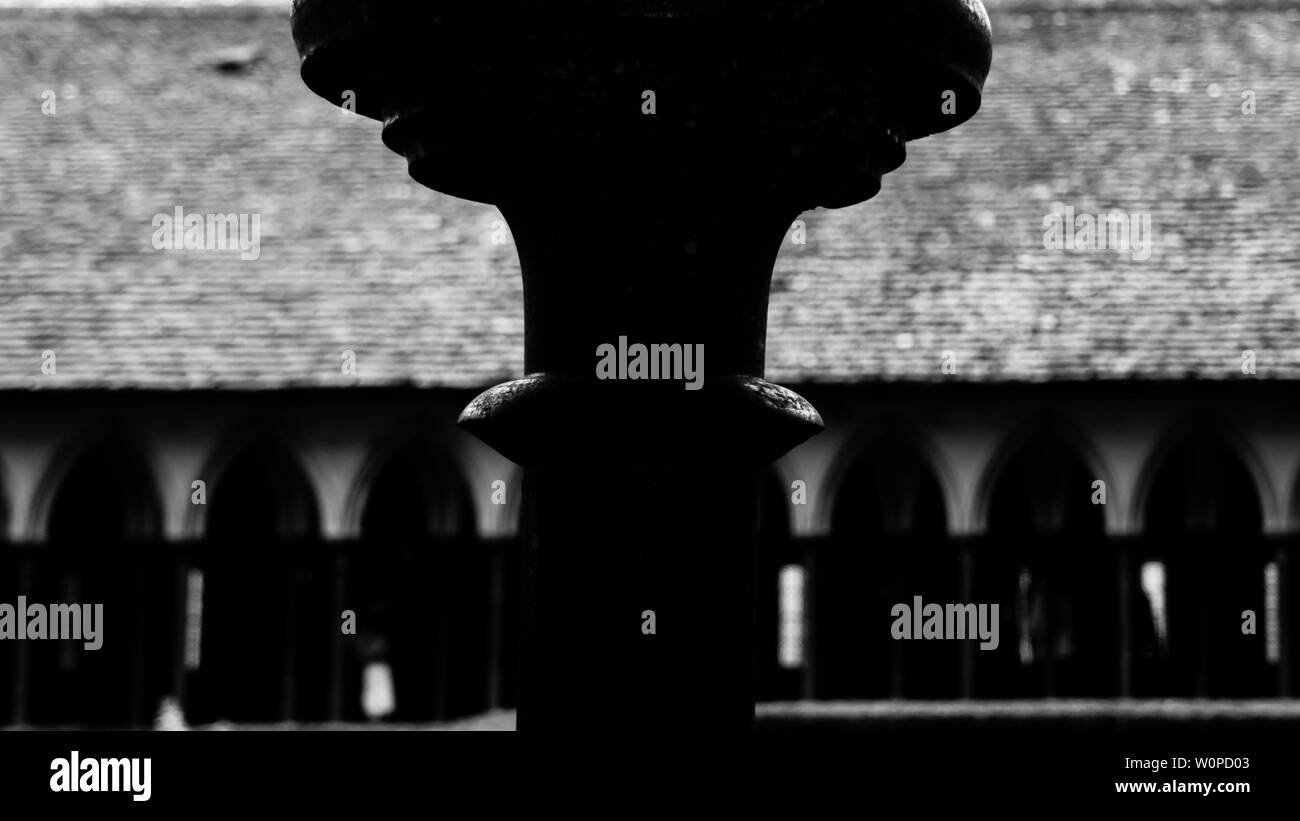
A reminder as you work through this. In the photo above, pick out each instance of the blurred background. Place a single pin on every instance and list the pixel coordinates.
(230, 453)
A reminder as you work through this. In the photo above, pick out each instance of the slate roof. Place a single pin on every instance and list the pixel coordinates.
(1137, 107)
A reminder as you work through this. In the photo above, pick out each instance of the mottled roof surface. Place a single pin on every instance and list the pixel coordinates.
(1136, 108)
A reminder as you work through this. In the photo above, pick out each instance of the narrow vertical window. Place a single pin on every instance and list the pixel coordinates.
(1153, 585)
(791, 584)
(1272, 616)
(1024, 616)
(193, 619)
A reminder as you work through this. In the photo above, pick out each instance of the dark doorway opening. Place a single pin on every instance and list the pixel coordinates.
(1047, 563)
(889, 544)
(423, 590)
(1203, 562)
(103, 524)
(266, 616)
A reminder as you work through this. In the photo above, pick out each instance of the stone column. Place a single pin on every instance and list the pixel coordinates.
(649, 157)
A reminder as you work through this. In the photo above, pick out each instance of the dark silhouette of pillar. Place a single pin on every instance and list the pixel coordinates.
(649, 157)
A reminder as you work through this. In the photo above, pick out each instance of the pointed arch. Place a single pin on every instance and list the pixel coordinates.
(124, 489)
(263, 492)
(435, 479)
(107, 488)
(418, 478)
(1216, 438)
(1045, 447)
(261, 445)
(894, 467)
(1201, 482)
